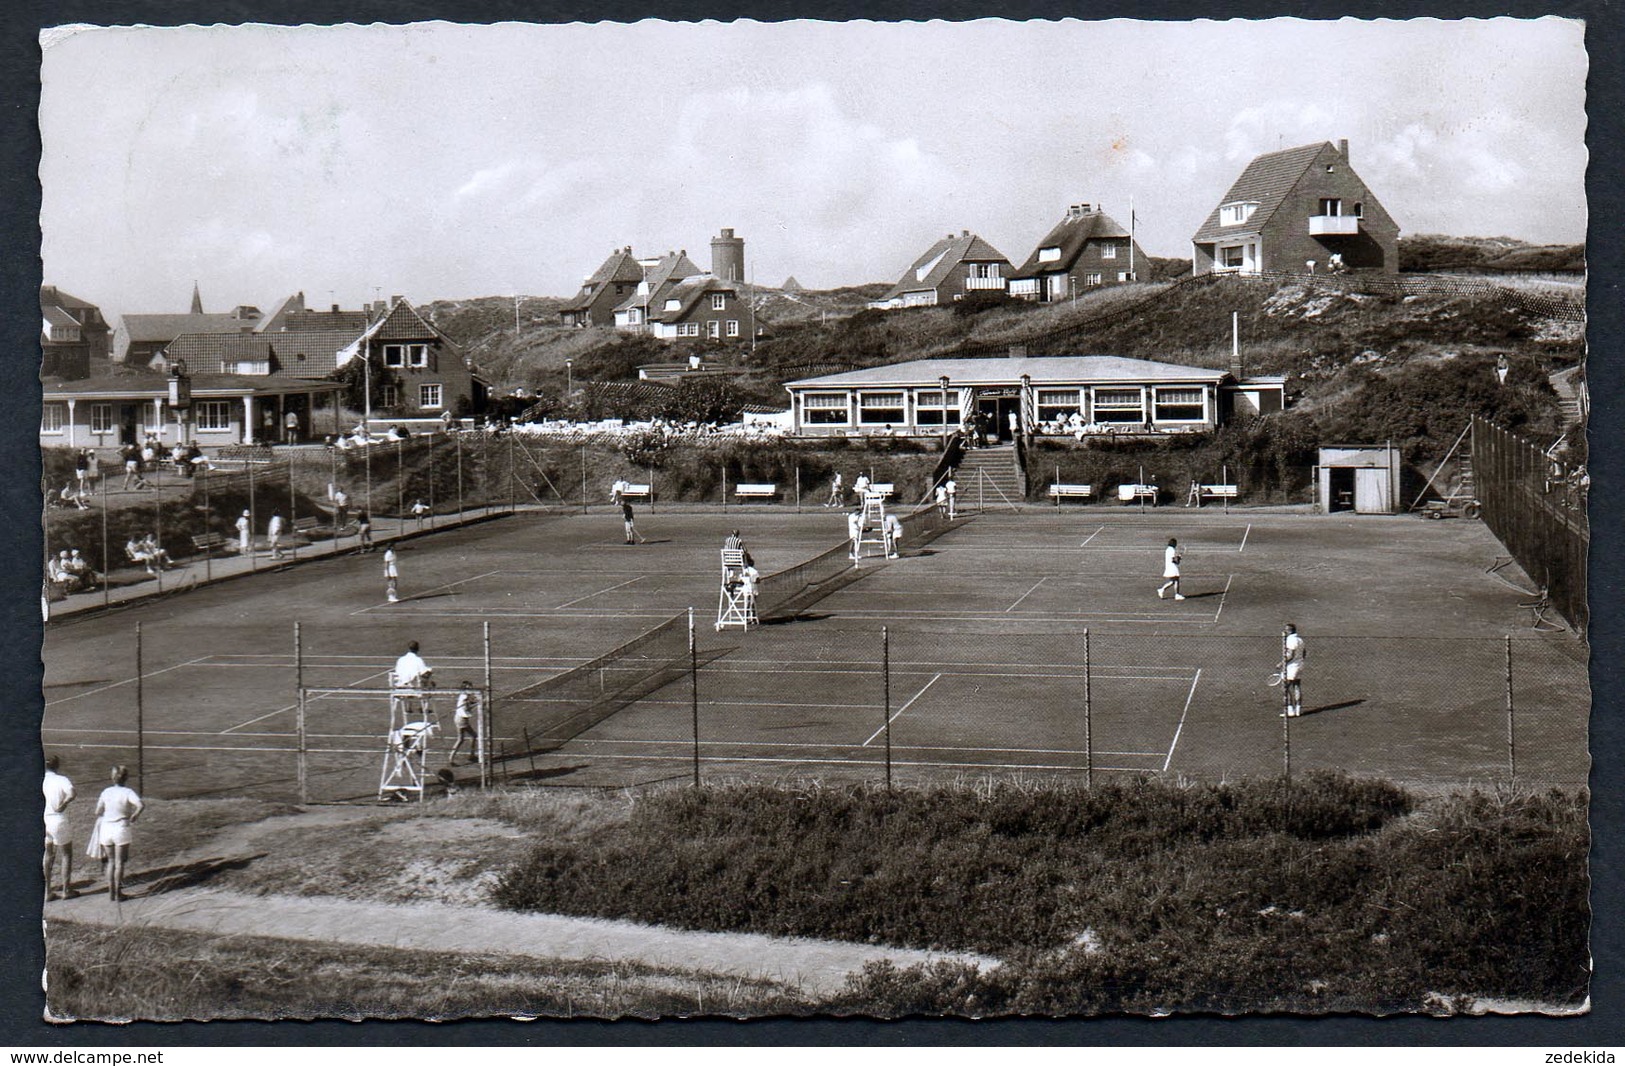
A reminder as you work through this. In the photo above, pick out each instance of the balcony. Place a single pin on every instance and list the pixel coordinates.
(972, 284)
(1334, 226)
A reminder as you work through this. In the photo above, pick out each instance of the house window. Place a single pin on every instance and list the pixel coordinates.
(1049, 255)
(825, 409)
(1233, 257)
(691, 329)
(632, 318)
(674, 305)
(1359, 209)
(1332, 208)
(53, 417)
(880, 408)
(1091, 279)
(1183, 404)
(101, 418)
(733, 327)
(428, 396)
(620, 290)
(1108, 250)
(389, 396)
(933, 407)
(1056, 405)
(1237, 213)
(984, 270)
(212, 415)
(394, 355)
(1119, 405)
(713, 329)
(719, 301)
(1124, 275)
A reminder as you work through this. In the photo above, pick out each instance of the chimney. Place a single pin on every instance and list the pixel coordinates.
(1343, 148)
(964, 233)
(335, 309)
(397, 298)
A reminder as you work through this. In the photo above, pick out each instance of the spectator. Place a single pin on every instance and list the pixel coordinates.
(138, 553)
(341, 508)
(419, 510)
(58, 834)
(363, 528)
(245, 532)
(80, 567)
(132, 464)
(81, 468)
(466, 718)
(290, 427)
(159, 554)
(116, 812)
(61, 578)
(447, 421)
(273, 534)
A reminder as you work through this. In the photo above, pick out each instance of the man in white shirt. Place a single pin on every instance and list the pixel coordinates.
(861, 486)
(243, 533)
(891, 531)
(411, 671)
(391, 576)
(273, 535)
(953, 494)
(466, 718)
(854, 530)
(58, 836)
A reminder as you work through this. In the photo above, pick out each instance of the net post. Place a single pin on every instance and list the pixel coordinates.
(253, 519)
(1512, 749)
(798, 488)
(140, 719)
(885, 698)
(694, 693)
(1058, 495)
(1286, 718)
(583, 478)
(107, 594)
(724, 484)
(293, 510)
(513, 490)
(208, 516)
(157, 535)
(1088, 717)
(482, 724)
(299, 714)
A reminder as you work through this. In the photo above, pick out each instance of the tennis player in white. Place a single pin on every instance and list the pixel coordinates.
(58, 835)
(1170, 569)
(1292, 670)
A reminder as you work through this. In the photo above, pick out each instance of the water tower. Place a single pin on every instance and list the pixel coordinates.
(728, 256)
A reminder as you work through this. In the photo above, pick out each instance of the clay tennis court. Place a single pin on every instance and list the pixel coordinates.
(1407, 647)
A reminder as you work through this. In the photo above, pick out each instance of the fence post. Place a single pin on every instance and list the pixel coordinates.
(798, 488)
(694, 693)
(208, 519)
(724, 484)
(1088, 717)
(457, 443)
(293, 510)
(299, 719)
(885, 697)
(140, 719)
(583, 477)
(1512, 748)
(157, 536)
(400, 483)
(513, 491)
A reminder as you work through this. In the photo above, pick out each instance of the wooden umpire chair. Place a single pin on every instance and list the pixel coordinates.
(412, 725)
(736, 602)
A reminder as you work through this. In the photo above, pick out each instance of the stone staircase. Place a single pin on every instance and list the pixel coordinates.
(1571, 395)
(987, 478)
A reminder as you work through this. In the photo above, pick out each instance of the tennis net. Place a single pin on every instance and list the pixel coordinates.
(779, 588)
(922, 524)
(548, 714)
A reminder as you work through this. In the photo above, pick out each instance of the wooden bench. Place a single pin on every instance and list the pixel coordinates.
(756, 492)
(1131, 493)
(637, 492)
(1217, 492)
(208, 542)
(244, 454)
(1059, 491)
(883, 489)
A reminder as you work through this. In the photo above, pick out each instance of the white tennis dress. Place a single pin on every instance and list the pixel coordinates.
(1170, 564)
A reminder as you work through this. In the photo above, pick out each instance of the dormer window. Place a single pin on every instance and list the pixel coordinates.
(673, 305)
(1331, 208)
(1237, 213)
(719, 301)
(1049, 255)
(1108, 250)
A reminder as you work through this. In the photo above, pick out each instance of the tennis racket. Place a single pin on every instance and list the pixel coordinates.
(1274, 679)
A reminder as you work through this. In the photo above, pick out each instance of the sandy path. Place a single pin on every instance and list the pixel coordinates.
(816, 967)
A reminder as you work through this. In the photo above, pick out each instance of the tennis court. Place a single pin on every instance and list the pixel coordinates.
(988, 673)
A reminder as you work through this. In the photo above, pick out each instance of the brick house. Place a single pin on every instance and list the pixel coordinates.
(139, 337)
(1293, 208)
(702, 306)
(649, 294)
(1085, 249)
(72, 333)
(603, 291)
(949, 269)
(417, 371)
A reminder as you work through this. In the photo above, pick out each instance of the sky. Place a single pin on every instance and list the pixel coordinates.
(441, 161)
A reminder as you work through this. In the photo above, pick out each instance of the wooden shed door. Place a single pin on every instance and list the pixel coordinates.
(1371, 491)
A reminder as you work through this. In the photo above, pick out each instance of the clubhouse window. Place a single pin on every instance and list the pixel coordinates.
(1119, 405)
(101, 418)
(1180, 405)
(933, 407)
(825, 409)
(1055, 405)
(53, 418)
(881, 408)
(429, 396)
(212, 415)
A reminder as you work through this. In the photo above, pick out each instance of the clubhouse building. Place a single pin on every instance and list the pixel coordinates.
(1061, 395)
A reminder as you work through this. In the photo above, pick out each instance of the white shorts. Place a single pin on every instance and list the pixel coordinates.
(57, 831)
(115, 833)
(1292, 671)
